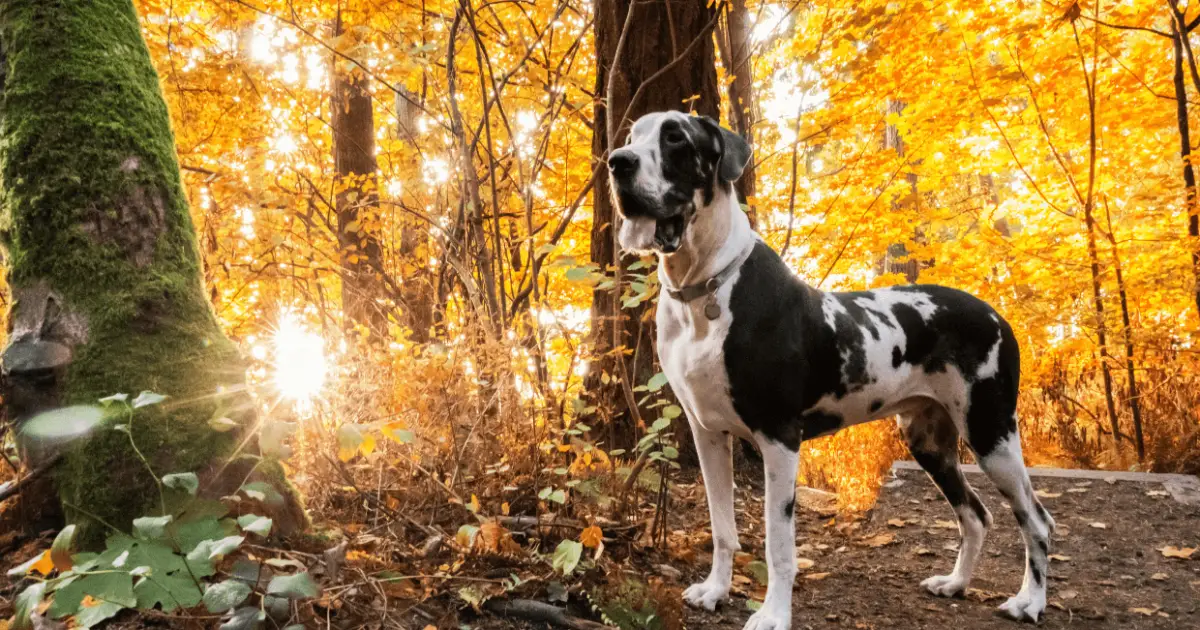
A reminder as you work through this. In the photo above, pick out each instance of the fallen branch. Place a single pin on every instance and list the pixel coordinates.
(530, 610)
(12, 489)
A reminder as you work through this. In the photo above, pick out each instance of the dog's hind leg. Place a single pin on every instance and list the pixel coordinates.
(1004, 464)
(780, 468)
(716, 464)
(932, 439)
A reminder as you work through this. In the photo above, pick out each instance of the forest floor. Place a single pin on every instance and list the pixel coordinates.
(1109, 569)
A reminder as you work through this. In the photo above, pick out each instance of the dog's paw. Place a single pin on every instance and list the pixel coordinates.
(769, 620)
(705, 594)
(1024, 606)
(945, 585)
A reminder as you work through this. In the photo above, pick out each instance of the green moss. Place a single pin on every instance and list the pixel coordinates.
(94, 207)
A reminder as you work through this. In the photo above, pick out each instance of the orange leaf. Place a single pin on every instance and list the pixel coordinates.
(591, 536)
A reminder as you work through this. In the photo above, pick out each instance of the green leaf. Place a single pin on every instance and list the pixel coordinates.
(147, 398)
(660, 424)
(246, 618)
(758, 569)
(264, 492)
(151, 527)
(260, 525)
(670, 452)
(112, 586)
(672, 411)
(566, 556)
(188, 482)
(350, 439)
(60, 551)
(657, 382)
(579, 274)
(222, 424)
(27, 602)
(225, 546)
(272, 438)
(169, 592)
(753, 605)
(92, 615)
(558, 496)
(298, 586)
(226, 595)
(108, 400)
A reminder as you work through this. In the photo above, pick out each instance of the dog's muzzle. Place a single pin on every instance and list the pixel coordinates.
(652, 221)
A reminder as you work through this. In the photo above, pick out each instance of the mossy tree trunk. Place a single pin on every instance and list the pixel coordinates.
(103, 259)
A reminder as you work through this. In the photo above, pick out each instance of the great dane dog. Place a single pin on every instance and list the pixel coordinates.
(752, 351)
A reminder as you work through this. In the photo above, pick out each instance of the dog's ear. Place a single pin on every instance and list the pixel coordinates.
(735, 151)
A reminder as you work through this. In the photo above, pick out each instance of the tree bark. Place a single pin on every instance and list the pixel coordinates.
(353, 125)
(660, 31)
(734, 40)
(103, 259)
(1185, 151)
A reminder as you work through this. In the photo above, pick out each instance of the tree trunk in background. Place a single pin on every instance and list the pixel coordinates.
(734, 40)
(103, 260)
(1185, 151)
(353, 125)
(659, 32)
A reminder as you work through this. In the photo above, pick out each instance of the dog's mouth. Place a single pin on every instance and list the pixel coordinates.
(668, 233)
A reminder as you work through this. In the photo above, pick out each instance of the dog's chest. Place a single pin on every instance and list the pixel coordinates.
(691, 349)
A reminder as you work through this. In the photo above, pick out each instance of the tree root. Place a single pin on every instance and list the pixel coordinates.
(13, 489)
(531, 610)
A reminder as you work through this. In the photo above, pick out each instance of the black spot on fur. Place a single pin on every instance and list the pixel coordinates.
(782, 356)
(789, 508)
(1038, 578)
(876, 405)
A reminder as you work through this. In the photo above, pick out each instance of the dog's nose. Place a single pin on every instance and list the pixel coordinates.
(622, 163)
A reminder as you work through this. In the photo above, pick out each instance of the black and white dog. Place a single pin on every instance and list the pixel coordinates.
(752, 351)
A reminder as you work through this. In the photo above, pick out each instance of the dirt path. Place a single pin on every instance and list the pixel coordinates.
(1105, 577)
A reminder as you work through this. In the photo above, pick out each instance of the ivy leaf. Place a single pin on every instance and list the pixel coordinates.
(27, 602)
(246, 618)
(298, 586)
(60, 551)
(226, 595)
(657, 382)
(254, 524)
(151, 527)
(566, 556)
(188, 482)
(108, 400)
(147, 398)
(660, 424)
(114, 587)
(169, 592)
(272, 438)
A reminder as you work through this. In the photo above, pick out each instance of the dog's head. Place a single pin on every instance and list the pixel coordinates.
(671, 168)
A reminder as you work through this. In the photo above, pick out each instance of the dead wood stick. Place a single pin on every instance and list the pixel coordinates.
(531, 610)
(13, 489)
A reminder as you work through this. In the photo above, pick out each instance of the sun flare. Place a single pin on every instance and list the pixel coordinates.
(300, 364)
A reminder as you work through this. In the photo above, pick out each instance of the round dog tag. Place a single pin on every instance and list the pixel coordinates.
(711, 310)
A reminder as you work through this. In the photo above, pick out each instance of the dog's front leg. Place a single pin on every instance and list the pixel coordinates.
(716, 463)
(779, 465)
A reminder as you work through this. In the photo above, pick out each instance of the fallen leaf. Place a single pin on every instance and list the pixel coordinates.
(1110, 480)
(879, 540)
(1067, 595)
(1159, 577)
(1149, 612)
(804, 563)
(921, 551)
(1047, 495)
(816, 576)
(591, 537)
(1077, 490)
(1171, 551)
(1059, 557)
(1156, 493)
(897, 522)
(940, 524)
(1098, 525)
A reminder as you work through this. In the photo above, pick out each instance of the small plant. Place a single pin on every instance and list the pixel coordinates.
(172, 560)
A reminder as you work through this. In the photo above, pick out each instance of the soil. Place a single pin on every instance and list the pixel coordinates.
(1113, 576)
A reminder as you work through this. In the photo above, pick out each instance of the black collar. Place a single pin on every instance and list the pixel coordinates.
(708, 287)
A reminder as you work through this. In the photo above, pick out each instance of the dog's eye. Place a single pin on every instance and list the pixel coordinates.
(674, 136)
